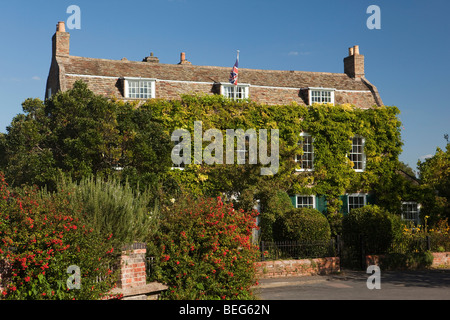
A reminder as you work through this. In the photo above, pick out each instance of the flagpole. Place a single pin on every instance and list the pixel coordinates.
(236, 87)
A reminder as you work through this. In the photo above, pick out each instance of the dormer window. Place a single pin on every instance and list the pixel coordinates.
(139, 88)
(321, 95)
(234, 92)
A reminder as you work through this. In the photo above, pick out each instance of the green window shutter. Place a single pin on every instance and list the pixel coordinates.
(294, 201)
(371, 199)
(321, 204)
(344, 208)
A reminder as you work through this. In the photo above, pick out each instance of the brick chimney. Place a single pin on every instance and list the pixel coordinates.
(151, 58)
(183, 59)
(354, 63)
(61, 41)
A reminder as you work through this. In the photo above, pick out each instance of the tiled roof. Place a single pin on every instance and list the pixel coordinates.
(271, 78)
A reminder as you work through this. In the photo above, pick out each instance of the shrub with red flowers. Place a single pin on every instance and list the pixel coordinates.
(41, 236)
(205, 251)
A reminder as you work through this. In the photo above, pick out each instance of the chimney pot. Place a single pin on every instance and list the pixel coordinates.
(61, 41)
(61, 27)
(356, 49)
(183, 59)
(351, 51)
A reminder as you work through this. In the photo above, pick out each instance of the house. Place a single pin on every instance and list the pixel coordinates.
(141, 80)
(147, 79)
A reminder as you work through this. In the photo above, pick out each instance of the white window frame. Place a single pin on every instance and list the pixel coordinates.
(298, 158)
(126, 88)
(363, 154)
(305, 196)
(353, 195)
(225, 87)
(416, 218)
(324, 93)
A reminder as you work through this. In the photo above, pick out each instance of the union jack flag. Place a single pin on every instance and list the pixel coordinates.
(234, 72)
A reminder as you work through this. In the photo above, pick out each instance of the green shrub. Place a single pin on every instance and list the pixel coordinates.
(274, 204)
(302, 224)
(113, 207)
(204, 251)
(379, 229)
(407, 261)
(41, 236)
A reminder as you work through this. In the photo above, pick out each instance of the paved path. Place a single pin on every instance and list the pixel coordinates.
(352, 285)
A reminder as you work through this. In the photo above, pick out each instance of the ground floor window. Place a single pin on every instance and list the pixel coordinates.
(356, 201)
(411, 211)
(305, 201)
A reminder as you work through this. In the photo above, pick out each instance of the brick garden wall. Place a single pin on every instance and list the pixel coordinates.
(440, 260)
(132, 280)
(302, 267)
(132, 267)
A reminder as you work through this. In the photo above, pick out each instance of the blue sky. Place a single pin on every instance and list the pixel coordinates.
(408, 59)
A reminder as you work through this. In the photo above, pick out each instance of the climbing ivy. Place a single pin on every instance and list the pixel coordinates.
(81, 133)
(331, 126)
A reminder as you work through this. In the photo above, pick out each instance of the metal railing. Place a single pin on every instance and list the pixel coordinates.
(297, 249)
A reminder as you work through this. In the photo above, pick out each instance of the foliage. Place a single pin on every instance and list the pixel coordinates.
(205, 251)
(273, 204)
(379, 228)
(434, 172)
(438, 234)
(407, 261)
(114, 208)
(302, 224)
(332, 128)
(83, 134)
(41, 236)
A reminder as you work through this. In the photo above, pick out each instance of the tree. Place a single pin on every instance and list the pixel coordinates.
(435, 173)
(25, 157)
(83, 134)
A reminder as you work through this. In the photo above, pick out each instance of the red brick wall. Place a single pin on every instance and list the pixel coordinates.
(291, 268)
(132, 268)
(441, 259)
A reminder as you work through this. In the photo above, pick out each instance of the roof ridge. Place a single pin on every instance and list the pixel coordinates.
(212, 67)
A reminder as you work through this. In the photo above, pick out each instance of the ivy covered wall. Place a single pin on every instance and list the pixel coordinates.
(332, 129)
